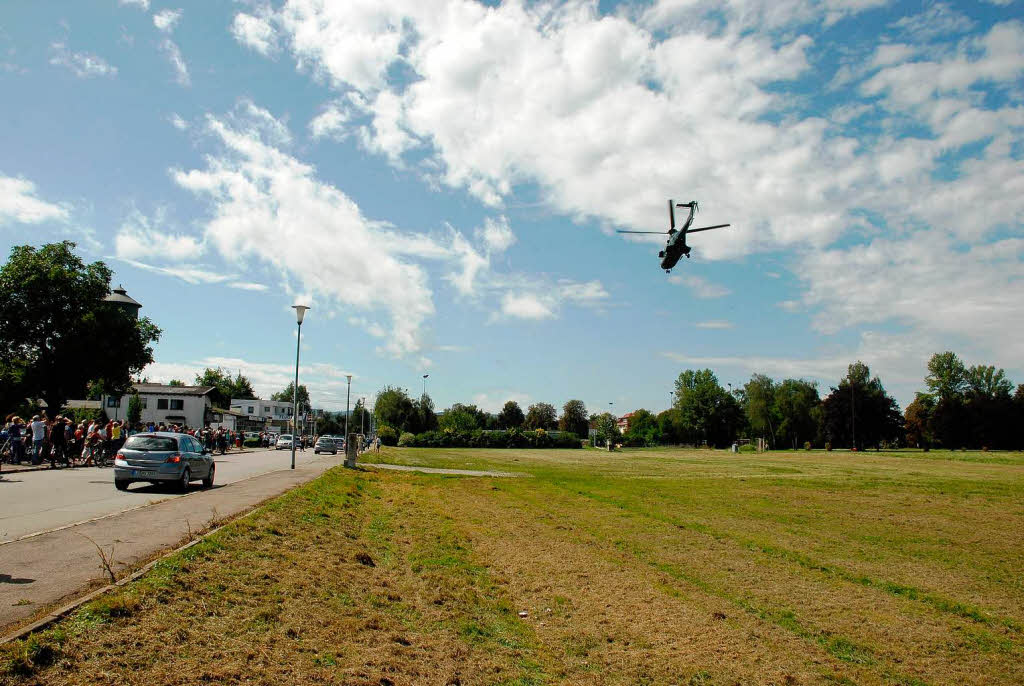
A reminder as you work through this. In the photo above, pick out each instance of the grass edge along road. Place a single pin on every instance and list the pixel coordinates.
(639, 567)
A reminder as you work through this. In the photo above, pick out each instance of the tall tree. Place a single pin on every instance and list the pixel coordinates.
(707, 412)
(760, 407)
(541, 416)
(574, 418)
(947, 376)
(797, 409)
(606, 428)
(58, 334)
(175, 382)
(460, 417)
(285, 396)
(394, 408)
(859, 412)
(918, 420)
(511, 416)
(642, 429)
(427, 415)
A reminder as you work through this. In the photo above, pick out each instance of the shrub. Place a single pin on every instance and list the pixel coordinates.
(406, 439)
(387, 435)
(807, 445)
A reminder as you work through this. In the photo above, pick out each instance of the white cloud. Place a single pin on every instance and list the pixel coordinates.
(714, 324)
(177, 122)
(699, 286)
(189, 273)
(20, 204)
(166, 20)
(173, 53)
(255, 32)
(496, 235)
(938, 20)
(141, 4)
(269, 207)
(83, 64)
(138, 239)
(526, 306)
(330, 123)
(248, 286)
(494, 401)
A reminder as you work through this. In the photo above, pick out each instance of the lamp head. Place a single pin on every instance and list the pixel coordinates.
(300, 312)
(426, 375)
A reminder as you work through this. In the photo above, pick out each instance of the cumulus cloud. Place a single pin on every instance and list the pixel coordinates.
(20, 204)
(166, 20)
(497, 235)
(699, 286)
(141, 4)
(254, 32)
(526, 306)
(83, 64)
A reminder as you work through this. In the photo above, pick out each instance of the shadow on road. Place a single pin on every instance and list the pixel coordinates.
(8, 579)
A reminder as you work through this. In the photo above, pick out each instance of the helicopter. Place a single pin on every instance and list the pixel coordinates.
(676, 246)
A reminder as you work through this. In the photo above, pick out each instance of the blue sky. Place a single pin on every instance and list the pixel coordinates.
(441, 182)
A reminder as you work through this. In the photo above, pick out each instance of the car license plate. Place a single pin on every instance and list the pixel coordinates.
(143, 474)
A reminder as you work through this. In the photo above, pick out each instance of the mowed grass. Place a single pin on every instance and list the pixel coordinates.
(633, 567)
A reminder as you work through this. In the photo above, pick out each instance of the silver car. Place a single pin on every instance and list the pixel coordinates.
(163, 457)
(325, 444)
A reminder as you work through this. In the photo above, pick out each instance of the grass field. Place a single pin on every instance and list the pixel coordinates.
(634, 567)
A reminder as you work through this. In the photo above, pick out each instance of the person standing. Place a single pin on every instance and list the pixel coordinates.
(17, 431)
(38, 437)
(56, 441)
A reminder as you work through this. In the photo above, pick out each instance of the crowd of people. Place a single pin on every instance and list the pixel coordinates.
(62, 441)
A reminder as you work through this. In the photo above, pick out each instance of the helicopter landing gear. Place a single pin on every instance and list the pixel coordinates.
(661, 254)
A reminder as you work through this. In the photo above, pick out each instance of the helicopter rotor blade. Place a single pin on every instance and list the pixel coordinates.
(662, 233)
(708, 228)
(671, 214)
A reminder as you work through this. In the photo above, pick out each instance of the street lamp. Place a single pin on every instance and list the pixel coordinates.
(362, 416)
(347, 393)
(300, 312)
(425, 383)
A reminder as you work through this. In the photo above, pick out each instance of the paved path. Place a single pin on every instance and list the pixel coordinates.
(438, 470)
(43, 500)
(49, 567)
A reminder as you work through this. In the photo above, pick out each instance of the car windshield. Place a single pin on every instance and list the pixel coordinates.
(286, 437)
(151, 443)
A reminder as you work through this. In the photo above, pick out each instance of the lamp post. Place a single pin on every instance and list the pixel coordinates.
(348, 391)
(425, 383)
(300, 312)
(362, 416)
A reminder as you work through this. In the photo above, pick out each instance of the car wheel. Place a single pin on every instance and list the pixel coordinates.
(121, 484)
(186, 478)
(316, 452)
(208, 481)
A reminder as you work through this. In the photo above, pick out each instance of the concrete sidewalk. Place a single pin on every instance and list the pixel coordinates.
(40, 572)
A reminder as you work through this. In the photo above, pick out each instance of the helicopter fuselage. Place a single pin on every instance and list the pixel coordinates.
(675, 248)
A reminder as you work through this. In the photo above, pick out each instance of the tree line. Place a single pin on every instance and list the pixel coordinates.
(964, 407)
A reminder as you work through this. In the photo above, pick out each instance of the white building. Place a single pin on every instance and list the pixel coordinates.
(275, 413)
(181, 405)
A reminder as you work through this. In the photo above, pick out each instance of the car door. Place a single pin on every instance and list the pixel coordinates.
(203, 460)
(191, 449)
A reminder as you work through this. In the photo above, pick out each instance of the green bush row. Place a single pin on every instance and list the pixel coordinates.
(514, 438)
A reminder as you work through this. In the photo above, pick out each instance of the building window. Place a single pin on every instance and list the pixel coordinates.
(177, 403)
(161, 403)
(251, 408)
(143, 402)
(113, 402)
(266, 409)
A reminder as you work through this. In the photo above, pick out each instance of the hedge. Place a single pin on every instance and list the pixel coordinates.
(490, 439)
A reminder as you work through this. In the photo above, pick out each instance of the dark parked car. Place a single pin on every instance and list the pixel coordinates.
(162, 457)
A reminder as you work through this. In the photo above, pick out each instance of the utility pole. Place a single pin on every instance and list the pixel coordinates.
(362, 416)
(347, 393)
(853, 415)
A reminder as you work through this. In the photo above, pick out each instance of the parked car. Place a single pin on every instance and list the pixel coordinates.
(284, 442)
(325, 444)
(163, 457)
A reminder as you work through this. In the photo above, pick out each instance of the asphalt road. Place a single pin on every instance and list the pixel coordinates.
(59, 517)
(34, 502)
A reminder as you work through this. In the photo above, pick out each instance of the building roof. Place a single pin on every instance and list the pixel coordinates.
(163, 389)
(119, 296)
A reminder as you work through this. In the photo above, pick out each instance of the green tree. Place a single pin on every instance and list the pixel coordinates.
(797, 410)
(134, 409)
(574, 418)
(707, 412)
(394, 408)
(606, 429)
(427, 415)
(917, 421)
(642, 429)
(511, 416)
(225, 386)
(760, 406)
(285, 396)
(57, 333)
(983, 381)
(460, 417)
(542, 416)
(175, 382)
(947, 376)
(859, 412)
